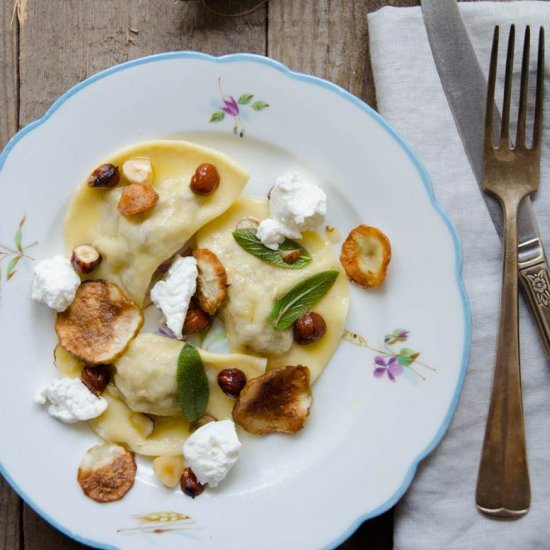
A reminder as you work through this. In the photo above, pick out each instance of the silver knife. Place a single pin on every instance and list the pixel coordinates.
(466, 90)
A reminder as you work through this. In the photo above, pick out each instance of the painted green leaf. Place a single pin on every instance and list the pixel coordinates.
(407, 356)
(192, 383)
(12, 264)
(245, 99)
(259, 105)
(17, 239)
(248, 241)
(217, 116)
(300, 299)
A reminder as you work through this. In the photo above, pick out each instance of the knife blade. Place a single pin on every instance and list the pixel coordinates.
(465, 87)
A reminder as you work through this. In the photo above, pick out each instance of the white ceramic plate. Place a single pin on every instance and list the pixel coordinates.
(373, 419)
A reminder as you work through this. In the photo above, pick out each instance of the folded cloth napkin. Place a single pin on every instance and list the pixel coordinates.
(439, 512)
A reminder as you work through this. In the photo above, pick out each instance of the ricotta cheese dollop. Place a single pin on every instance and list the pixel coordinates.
(172, 296)
(295, 205)
(212, 450)
(71, 401)
(55, 283)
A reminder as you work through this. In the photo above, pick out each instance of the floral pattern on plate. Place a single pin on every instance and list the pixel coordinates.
(391, 362)
(16, 254)
(232, 107)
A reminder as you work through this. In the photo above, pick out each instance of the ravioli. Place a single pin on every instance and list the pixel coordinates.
(255, 285)
(145, 380)
(133, 247)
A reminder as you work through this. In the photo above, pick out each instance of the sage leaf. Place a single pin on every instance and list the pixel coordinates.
(246, 238)
(300, 299)
(192, 383)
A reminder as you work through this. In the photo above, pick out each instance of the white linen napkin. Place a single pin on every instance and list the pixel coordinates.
(438, 512)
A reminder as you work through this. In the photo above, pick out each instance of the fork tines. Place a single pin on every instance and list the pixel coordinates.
(520, 141)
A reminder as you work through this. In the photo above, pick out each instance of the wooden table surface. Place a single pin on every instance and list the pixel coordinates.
(53, 44)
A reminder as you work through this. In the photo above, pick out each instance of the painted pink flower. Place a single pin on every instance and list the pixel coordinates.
(230, 107)
(390, 367)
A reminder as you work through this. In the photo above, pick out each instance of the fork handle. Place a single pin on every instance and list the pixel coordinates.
(535, 282)
(503, 488)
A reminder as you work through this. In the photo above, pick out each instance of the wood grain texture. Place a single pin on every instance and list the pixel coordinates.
(64, 41)
(10, 505)
(9, 98)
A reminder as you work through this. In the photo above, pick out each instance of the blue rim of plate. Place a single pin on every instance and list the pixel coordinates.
(427, 185)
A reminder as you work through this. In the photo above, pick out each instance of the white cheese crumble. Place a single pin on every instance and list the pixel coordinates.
(295, 205)
(212, 450)
(173, 295)
(71, 401)
(55, 283)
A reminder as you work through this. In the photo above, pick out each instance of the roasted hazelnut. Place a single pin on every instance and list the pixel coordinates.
(291, 256)
(231, 381)
(106, 175)
(202, 421)
(309, 328)
(136, 199)
(195, 321)
(96, 378)
(85, 258)
(190, 485)
(205, 180)
(248, 223)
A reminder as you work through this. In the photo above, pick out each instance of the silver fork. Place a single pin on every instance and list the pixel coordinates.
(511, 172)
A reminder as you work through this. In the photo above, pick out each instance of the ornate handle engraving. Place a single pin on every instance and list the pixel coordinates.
(535, 282)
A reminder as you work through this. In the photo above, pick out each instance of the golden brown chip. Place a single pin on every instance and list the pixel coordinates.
(277, 401)
(107, 472)
(137, 198)
(365, 256)
(99, 324)
(211, 282)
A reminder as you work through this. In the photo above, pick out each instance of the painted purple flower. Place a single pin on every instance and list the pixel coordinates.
(230, 107)
(390, 367)
(398, 335)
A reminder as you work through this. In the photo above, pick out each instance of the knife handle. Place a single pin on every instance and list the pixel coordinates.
(535, 283)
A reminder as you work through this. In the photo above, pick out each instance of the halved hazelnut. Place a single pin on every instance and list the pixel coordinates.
(138, 170)
(211, 281)
(202, 421)
(309, 328)
(231, 381)
(190, 484)
(143, 423)
(99, 324)
(291, 256)
(96, 379)
(195, 321)
(277, 401)
(106, 175)
(169, 469)
(136, 199)
(248, 223)
(205, 180)
(366, 253)
(85, 258)
(107, 472)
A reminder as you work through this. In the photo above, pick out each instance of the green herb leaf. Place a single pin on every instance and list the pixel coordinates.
(259, 105)
(192, 382)
(10, 270)
(217, 116)
(300, 299)
(245, 99)
(248, 241)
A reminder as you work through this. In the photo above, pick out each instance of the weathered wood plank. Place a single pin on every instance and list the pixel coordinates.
(327, 38)
(9, 102)
(64, 41)
(10, 504)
